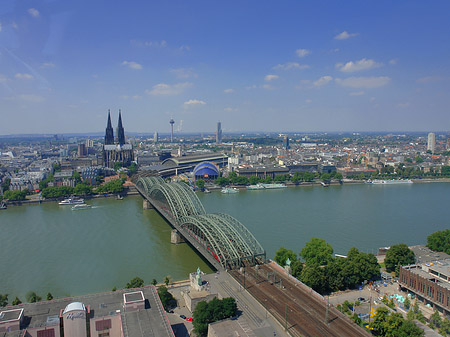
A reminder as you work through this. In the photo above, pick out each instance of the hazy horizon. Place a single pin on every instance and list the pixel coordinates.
(261, 65)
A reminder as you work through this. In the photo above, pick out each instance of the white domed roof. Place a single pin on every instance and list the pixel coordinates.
(74, 306)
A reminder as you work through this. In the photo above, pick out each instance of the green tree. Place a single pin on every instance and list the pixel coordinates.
(16, 301)
(154, 282)
(407, 303)
(117, 166)
(114, 288)
(3, 300)
(436, 319)
(166, 297)
(315, 277)
(77, 177)
(317, 251)
(296, 269)
(15, 195)
(444, 330)
(398, 255)
(5, 184)
(132, 169)
(49, 297)
(200, 183)
(212, 311)
(222, 181)
(418, 159)
(282, 254)
(253, 180)
(439, 241)
(83, 189)
(167, 280)
(379, 324)
(32, 297)
(137, 282)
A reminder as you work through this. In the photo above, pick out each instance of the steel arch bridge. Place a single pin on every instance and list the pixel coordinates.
(221, 236)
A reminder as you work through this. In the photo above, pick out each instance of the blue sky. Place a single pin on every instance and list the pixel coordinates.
(254, 65)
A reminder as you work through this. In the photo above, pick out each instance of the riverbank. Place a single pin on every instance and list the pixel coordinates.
(128, 191)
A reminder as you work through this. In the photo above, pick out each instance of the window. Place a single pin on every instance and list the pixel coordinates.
(105, 334)
(46, 333)
(103, 325)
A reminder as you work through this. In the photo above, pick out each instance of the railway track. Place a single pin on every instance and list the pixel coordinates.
(303, 312)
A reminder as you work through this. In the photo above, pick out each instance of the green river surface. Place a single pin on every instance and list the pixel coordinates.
(50, 248)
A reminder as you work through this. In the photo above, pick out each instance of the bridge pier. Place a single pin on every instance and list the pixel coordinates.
(175, 237)
(146, 204)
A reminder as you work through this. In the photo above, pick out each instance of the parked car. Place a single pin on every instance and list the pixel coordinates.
(189, 319)
(361, 299)
(182, 316)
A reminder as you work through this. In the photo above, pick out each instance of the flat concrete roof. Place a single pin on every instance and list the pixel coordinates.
(228, 328)
(133, 296)
(10, 315)
(43, 313)
(426, 255)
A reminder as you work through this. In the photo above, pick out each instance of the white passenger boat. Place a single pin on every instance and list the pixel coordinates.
(71, 201)
(229, 190)
(389, 182)
(255, 187)
(273, 186)
(80, 206)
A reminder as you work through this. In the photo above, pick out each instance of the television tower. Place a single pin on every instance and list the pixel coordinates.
(172, 122)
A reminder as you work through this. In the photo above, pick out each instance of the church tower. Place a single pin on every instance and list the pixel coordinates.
(109, 134)
(120, 131)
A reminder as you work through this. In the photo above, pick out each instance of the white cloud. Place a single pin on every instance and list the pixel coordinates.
(3, 78)
(323, 81)
(267, 87)
(20, 76)
(372, 99)
(135, 97)
(185, 48)
(228, 109)
(269, 77)
(33, 12)
(228, 91)
(356, 93)
(184, 73)
(0, 26)
(302, 52)
(393, 61)
(363, 82)
(47, 65)
(14, 25)
(168, 89)
(194, 102)
(308, 100)
(429, 79)
(403, 105)
(363, 64)
(152, 44)
(291, 66)
(345, 35)
(132, 65)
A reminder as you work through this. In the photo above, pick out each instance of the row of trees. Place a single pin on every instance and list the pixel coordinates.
(393, 324)
(15, 195)
(405, 172)
(31, 297)
(325, 273)
(296, 178)
(114, 186)
(398, 255)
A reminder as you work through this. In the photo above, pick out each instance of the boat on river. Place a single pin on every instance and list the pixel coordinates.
(3, 205)
(229, 190)
(273, 186)
(255, 187)
(80, 206)
(389, 182)
(71, 201)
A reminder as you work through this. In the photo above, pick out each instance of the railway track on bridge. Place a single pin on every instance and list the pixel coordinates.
(304, 311)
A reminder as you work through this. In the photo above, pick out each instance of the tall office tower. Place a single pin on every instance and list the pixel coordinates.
(82, 151)
(109, 134)
(431, 142)
(286, 143)
(89, 143)
(447, 146)
(120, 131)
(155, 137)
(219, 133)
(172, 122)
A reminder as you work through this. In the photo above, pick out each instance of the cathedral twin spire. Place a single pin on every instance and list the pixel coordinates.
(109, 134)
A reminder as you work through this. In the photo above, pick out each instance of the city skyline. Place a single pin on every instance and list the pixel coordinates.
(293, 67)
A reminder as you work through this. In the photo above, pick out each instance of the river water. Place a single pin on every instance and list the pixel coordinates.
(49, 247)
